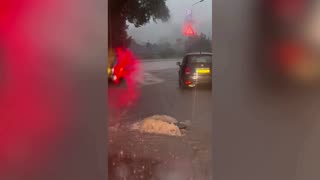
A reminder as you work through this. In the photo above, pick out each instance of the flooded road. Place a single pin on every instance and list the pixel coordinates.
(136, 155)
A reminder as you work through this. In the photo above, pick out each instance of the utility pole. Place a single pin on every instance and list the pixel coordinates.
(188, 29)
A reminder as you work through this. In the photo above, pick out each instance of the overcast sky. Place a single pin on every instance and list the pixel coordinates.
(202, 15)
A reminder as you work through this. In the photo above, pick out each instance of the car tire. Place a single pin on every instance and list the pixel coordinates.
(181, 85)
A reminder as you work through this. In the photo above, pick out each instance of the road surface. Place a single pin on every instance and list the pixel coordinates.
(184, 157)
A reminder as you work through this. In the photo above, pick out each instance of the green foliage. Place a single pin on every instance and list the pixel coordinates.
(140, 12)
(137, 12)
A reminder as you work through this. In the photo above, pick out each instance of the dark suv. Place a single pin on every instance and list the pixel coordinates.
(196, 68)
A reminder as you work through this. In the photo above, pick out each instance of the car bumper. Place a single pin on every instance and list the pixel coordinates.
(197, 80)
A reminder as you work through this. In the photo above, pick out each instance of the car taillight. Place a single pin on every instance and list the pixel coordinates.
(118, 71)
(187, 70)
(188, 82)
(288, 55)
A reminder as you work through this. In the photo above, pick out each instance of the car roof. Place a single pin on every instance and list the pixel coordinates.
(198, 53)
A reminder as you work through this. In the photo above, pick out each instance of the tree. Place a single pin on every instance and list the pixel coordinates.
(137, 12)
(198, 43)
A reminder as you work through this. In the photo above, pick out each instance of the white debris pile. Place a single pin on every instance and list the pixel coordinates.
(158, 124)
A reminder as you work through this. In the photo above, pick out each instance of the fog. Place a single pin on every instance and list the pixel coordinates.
(171, 30)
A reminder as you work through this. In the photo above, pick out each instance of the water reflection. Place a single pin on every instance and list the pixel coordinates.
(131, 167)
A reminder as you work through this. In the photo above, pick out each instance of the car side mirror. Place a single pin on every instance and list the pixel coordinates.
(178, 64)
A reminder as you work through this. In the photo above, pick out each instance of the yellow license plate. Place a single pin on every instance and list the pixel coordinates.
(203, 71)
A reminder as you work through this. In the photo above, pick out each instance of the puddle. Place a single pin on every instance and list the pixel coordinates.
(130, 168)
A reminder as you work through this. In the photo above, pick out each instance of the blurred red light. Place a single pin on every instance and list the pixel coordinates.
(288, 7)
(119, 98)
(188, 30)
(188, 82)
(287, 54)
(187, 70)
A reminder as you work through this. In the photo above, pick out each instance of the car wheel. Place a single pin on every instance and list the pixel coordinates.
(181, 85)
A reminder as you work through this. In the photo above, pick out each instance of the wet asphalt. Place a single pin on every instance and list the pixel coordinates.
(134, 155)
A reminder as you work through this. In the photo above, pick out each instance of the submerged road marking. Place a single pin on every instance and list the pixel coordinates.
(149, 79)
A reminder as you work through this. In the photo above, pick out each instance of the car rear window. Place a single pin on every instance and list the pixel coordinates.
(191, 59)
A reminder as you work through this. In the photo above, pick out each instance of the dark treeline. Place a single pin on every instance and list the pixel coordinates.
(171, 50)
